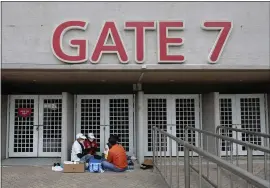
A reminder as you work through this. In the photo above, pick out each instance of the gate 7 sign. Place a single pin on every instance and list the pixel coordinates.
(110, 30)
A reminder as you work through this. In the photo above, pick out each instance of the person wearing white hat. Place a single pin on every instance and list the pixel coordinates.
(78, 151)
(90, 144)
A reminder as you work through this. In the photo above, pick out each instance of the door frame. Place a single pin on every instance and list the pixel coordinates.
(262, 116)
(196, 98)
(171, 119)
(38, 120)
(104, 117)
(41, 110)
(236, 116)
(11, 125)
(234, 120)
(131, 120)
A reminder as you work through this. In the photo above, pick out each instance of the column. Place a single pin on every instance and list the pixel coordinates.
(268, 115)
(4, 125)
(140, 126)
(210, 118)
(67, 125)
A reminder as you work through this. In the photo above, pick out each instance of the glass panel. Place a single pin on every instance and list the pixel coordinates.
(226, 120)
(250, 119)
(119, 120)
(90, 118)
(157, 116)
(23, 126)
(52, 125)
(185, 116)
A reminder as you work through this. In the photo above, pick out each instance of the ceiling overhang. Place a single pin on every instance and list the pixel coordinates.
(120, 76)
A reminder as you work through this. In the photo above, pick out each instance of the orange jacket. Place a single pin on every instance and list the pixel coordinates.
(117, 156)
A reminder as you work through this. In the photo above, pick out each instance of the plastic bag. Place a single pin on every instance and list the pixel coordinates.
(106, 151)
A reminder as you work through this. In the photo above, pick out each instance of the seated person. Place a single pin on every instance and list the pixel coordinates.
(90, 144)
(117, 158)
(117, 138)
(78, 152)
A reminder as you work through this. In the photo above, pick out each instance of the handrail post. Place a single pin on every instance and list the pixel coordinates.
(218, 144)
(160, 150)
(165, 155)
(265, 160)
(154, 146)
(170, 143)
(186, 166)
(237, 153)
(249, 162)
(177, 163)
(249, 158)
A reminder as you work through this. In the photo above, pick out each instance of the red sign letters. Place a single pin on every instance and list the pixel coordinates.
(109, 29)
(24, 112)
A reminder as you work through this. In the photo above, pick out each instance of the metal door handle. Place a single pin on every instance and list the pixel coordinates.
(37, 126)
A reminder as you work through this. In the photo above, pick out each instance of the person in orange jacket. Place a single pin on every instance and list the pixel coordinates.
(117, 157)
(90, 144)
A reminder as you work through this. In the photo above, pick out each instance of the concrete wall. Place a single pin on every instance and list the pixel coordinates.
(4, 126)
(210, 118)
(28, 26)
(67, 125)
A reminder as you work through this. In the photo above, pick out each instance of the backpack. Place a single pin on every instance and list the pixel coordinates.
(95, 165)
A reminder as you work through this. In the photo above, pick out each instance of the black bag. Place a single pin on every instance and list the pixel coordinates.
(97, 157)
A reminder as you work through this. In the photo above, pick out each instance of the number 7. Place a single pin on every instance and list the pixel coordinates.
(225, 28)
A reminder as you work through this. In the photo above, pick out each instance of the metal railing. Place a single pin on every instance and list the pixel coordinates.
(222, 130)
(160, 139)
(230, 150)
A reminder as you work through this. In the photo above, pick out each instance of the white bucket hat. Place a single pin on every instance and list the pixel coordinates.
(80, 135)
(91, 135)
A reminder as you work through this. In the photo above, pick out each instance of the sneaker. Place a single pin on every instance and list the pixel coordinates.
(58, 169)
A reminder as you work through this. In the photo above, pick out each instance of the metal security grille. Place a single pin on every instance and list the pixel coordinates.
(242, 111)
(185, 116)
(90, 117)
(171, 113)
(119, 120)
(251, 119)
(157, 116)
(105, 115)
(23, 137)
(226, 119)
(52, 125)
(35, 126)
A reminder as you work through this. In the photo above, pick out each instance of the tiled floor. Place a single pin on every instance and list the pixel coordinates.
(22, 176)
(30, 161)
(43, 176)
